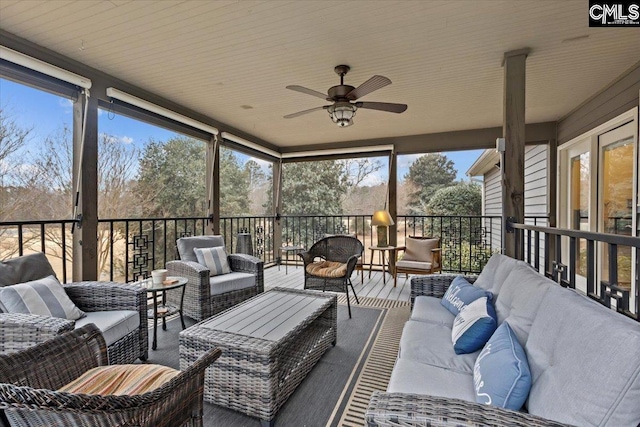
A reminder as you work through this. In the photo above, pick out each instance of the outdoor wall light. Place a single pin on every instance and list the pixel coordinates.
(382, 219)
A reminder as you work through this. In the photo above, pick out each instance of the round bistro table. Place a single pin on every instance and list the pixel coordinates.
(163, 310)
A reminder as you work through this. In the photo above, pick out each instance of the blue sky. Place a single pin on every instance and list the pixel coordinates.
(45, 113)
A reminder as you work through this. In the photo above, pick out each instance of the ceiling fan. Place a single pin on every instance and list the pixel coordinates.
(344, 98)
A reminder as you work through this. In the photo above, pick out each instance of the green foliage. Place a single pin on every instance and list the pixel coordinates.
(427, 175)
(314, 188)
(171, 178)
(464, 257)
(464, 198)
(234, 184)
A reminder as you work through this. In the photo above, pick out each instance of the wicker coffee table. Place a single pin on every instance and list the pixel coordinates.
(269, 344)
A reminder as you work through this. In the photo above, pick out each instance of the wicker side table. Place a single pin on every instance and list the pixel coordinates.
(269, 344)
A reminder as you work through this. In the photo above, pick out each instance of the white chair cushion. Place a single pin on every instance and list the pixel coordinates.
(215, 259)
(429, 309)
(113, 324)
(414, 265)
(409, 376)
(420, 249)
(233, 281)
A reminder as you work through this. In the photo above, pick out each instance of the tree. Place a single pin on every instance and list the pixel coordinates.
(464, 198)
(314, 188)
(234, 184)
(426, 175)
(171, 178)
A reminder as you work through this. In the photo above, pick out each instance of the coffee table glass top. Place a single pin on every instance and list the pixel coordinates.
(269, 316)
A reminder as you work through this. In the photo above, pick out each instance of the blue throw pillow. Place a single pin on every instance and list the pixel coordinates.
(473, 326)
(461, 293)
(501, 374)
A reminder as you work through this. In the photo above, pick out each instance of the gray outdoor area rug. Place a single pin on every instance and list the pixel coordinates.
(323, 398)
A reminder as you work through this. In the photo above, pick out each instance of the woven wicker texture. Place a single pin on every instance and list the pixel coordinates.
(22, 331)
(31, 377)
(404, 410)
(255, 375)
(343, 249)
(199, 304)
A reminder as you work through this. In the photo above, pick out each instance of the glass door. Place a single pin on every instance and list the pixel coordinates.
(579, 200)
(616, 202)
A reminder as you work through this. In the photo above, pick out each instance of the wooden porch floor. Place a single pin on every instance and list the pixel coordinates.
(372, 288)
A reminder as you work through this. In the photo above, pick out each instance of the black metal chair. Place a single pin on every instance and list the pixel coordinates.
(329, 263)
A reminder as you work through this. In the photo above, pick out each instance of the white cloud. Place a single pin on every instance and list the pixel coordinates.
(405, 161)
(115, 139)
(65, 102)
(373, 179)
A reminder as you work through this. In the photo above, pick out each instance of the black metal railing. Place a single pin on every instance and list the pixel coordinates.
(130, 248)
(604, 266)
(53, 238)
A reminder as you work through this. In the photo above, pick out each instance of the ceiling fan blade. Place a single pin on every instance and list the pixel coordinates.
(301, 113)
(383, 106)
(374, 83)
(309, 92)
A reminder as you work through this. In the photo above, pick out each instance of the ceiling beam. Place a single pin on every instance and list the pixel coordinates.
(472, 139)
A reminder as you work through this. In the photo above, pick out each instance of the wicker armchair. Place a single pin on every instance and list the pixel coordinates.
(199, 302)
(342, 253)
(30, 380)
(419, 410)
(20, 331)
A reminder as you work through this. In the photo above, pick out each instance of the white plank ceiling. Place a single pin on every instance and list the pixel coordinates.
(443, 57)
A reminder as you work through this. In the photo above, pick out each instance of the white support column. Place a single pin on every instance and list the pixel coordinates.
(513, 131)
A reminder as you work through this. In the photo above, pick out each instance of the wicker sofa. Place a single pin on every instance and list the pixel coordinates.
(207, 295)
(583, 357)
(119, 310)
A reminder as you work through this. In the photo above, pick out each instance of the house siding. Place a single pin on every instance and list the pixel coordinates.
(535, 194)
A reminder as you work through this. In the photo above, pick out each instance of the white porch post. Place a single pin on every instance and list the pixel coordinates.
(513, 126)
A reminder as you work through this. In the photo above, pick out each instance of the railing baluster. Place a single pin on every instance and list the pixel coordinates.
(64, 252)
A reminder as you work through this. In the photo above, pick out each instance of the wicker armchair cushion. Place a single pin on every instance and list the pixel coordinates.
(121, 380)
(186, 245)
(215, 259)
(420, 249)
(114, 324)
(329, 269)
(44, 296)
(415, 265)
(233, 281)
(24, 269)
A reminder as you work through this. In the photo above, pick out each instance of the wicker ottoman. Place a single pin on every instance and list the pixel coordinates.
(269, 344)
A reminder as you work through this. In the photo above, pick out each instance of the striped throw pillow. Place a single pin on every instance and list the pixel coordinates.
(215, 259)
(45, 297)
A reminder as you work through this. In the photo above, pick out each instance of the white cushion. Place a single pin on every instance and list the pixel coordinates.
(409, 376)
(420, 249)
(415, 265)
(186, 245)
(113, 324)
(495, 272)
(233, 281)
(430, 343)
(429, 309)
(45, 297)
(215, 259)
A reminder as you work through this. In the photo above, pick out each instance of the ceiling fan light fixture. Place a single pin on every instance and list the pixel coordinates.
(342, 113)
